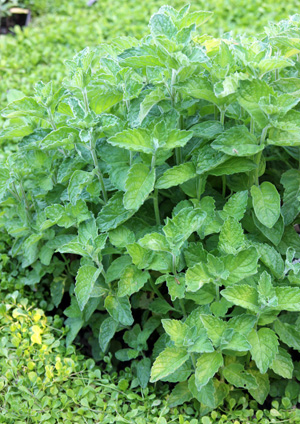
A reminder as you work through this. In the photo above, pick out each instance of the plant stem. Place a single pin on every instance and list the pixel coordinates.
(51, 118)
(181, 303)
(99, 173)
(130, 157)
(86, 100)
(217, 293)
(252, 126)
(216, 113)
(224, 186)
(155, 289)
(156, 207)
(178, 155)
(222, 116)
(258, 156)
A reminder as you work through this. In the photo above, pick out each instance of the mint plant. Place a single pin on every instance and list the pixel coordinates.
(159, 186)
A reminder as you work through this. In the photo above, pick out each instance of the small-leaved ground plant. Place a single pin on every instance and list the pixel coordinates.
(164, 176)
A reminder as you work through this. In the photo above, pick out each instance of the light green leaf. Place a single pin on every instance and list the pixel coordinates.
(176, 175)
(236, 374)
(26, 106)
(214, 326)
(121, 236)
(242, 295)
(136, 140)
(176, 138)
(131, 281)
(161, 24)
(237, 141)
(231, 238)
(207, 366)
(168, 361)
(288, 298)
(208, 159)
(176, 286)
(205, 394)
(235, 206)
(113, 213)
(266, 203)
(266, 291)
(155, 241)
(101, 100)
(63, 137)
(138, 186)
(198, 18)
(243, 324)
(178, 332)
(73, 247)
(264, 348)
(283, 364)
(180, 394)
(119, 309)
(85, 280)
(149, 101)
(78, 181)
(241, 265)
(291, 197)
(107, 331)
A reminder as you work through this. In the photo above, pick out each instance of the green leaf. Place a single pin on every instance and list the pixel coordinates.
(262, 390)
(236, 374)
(237, 141)
(131, 281)
(242, 295)
(288, 334)
(198, 18)
(138, 186)
(266, 291)
(264, 348)
(176, 286)
(275, 233)
(161, 24)
(205, 395)
(241, 265)
(101, 100)
(176, 175)
(126, 354)
(288, 298)
(143, 369)
(214, 326)
(231, 238)
(26, 106)
(291, 197)
(85, 280)
(107, 331)
(180, 394)
(178, 332)
(179, 228)
(208, 159)
(233, 166)
(283, 364)
(78, 181)
(242, 323)
(121, 236)
(271, 258)
(235, 206)
(149, 101)
(155, 241)
(168, 361)
(207, 366)
(113, 213)
(176, 138)
(119, 309)
(116, 268)
(63, 137)
(136, 140)
(266, 203)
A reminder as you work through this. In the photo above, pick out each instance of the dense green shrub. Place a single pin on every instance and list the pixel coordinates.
(164, 175)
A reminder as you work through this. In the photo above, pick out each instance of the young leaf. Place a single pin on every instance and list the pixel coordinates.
(131, 281)
(119, 309)
(168, 361)
(113, 213)
(264, 348)
(207, 366)
(241, 265)
(149, 101)
(136, 140)
(138, 186)
(176, 175)
(266, 291)
(242, 295)
(266, 203)
(231, 238)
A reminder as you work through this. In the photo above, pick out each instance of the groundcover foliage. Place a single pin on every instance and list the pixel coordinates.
(163, 176)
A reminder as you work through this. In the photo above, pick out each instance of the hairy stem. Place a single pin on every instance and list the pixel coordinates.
(51, 119)
(99, 173)
(86, 100)
(156, 207)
